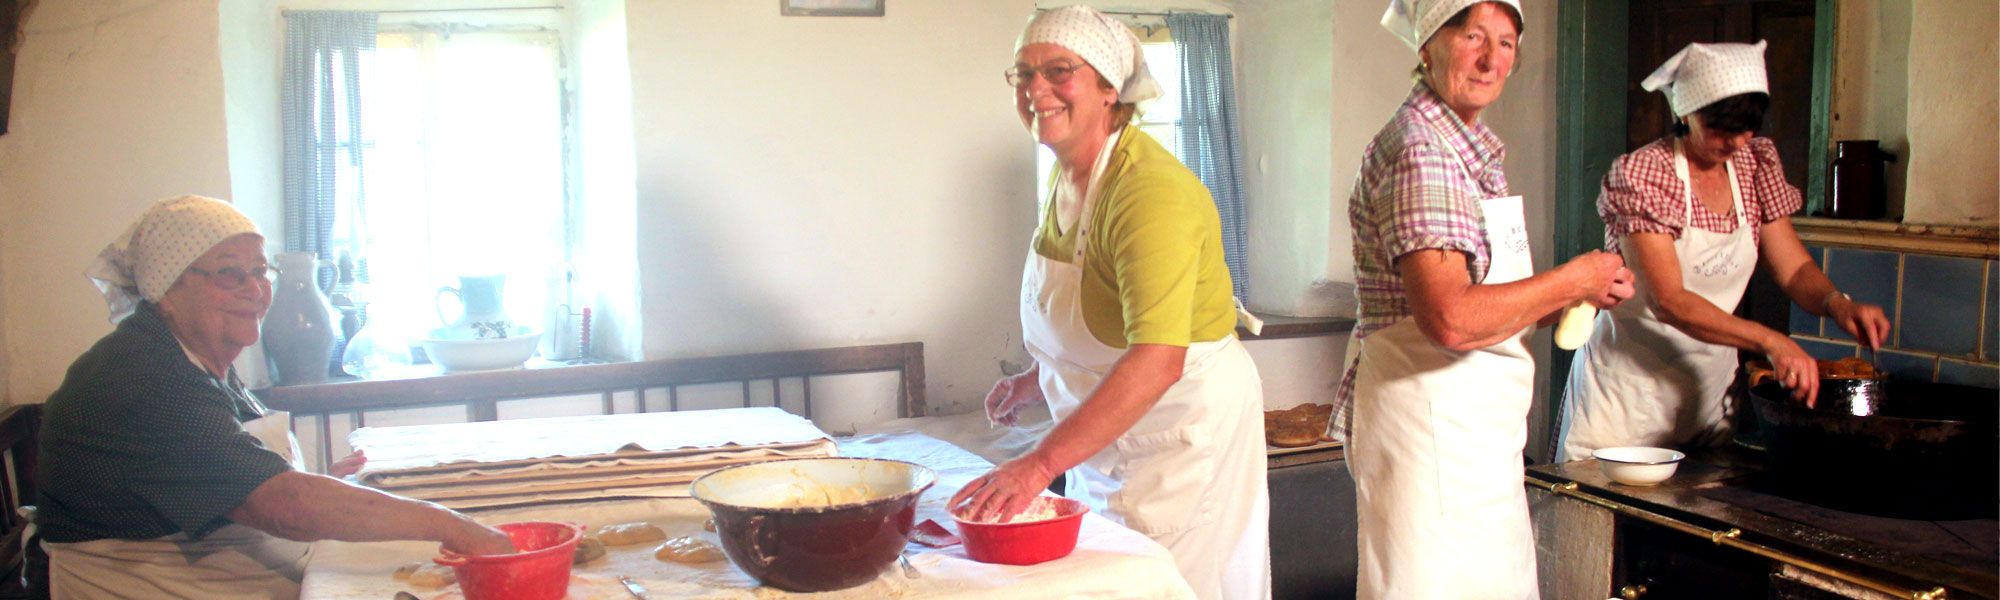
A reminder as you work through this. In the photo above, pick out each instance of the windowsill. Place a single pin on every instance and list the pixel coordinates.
(430, 370)
(1278, 327)
(1942, 240)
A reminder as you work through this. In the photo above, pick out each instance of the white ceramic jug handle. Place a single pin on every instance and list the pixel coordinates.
(438, 305)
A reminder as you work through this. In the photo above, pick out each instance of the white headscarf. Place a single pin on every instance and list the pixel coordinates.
(1102, 41)
(1701, 74)
(1414, 21)
(146, 260)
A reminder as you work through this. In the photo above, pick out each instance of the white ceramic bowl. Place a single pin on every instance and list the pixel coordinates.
(1638, 465)
(482, 355)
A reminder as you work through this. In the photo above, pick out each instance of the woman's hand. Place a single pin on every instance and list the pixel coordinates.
(350, 465)
(1601, 278)
(1003, 492)
(468, 537)
(1010, 394)
(1865, 322)
(1793, 368)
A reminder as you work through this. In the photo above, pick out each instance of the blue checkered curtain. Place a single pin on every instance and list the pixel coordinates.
(324, 52)
(1210, 141)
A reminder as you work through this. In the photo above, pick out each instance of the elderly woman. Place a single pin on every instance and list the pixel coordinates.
(1126, 308)
(161, 476)
(1694, 213)
(1434, 404)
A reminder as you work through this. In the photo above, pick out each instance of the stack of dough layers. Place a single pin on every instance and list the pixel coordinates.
(536, 461)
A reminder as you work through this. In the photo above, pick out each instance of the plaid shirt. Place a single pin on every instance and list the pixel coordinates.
(1641, 193)
(1420, 185)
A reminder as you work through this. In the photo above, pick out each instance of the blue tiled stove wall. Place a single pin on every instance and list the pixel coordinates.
(1944, 310)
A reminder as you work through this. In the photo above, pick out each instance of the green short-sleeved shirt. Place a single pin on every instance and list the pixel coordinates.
(1153, 271)
(139, 443)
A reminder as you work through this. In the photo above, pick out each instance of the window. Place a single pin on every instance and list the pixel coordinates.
(1159, 117)
(463, 153)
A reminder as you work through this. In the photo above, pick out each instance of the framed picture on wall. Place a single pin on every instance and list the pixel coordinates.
(830, 8)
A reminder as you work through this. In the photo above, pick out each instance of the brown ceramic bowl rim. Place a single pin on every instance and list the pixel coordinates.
(694, 488)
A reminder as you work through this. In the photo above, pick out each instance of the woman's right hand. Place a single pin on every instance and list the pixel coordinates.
(1793, 368)
(470, 538)
(1010, 394)
(1602, 278)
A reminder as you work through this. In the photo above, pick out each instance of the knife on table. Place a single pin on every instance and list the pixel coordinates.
(638, 591)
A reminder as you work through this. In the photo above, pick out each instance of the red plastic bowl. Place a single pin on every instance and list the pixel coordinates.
(540, 571)
(1025, 543)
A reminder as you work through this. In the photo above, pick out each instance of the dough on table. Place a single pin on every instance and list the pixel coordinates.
(626, 534)
(432, 576)
(403, 572)
(587, 549)
(688, 549)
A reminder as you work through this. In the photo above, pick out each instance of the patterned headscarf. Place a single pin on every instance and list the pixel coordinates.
(1701, 74)
(1102, 41)
(1414, 21)
(153, 252)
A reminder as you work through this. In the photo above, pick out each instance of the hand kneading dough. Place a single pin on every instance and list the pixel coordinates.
(626, 534)
(433, 576)
(587, 549)
(688, 549)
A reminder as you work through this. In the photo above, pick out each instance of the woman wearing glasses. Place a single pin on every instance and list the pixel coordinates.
(161, 476)
(1126, 308)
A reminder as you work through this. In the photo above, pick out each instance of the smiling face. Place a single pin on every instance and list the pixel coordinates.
(1069, 117)
(205, 313)
(1470, 62)
(1710, 146)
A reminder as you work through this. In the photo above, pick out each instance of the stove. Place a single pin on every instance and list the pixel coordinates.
(1727, 489)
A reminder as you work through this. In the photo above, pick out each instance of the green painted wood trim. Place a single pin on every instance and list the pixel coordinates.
(1590, 133)
(1825, 17)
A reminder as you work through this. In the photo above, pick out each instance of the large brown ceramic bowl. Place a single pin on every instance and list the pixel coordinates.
(814, 524)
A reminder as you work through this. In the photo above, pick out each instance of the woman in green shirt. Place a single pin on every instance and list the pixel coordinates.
(1126, 308)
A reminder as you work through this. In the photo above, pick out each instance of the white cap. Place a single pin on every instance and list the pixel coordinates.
(1413, 21)
(150, 256)
(1701, 74)
(1102, 41)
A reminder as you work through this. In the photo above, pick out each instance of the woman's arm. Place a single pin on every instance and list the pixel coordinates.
(306, 507)
(1462, 316)
(1807, 285)
(1652, 254)
(1136, 382)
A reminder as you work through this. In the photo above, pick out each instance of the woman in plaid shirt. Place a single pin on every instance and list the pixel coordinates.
(1694, 213)
(1435, 406)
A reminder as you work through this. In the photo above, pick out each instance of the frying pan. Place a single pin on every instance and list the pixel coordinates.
(1887, 447)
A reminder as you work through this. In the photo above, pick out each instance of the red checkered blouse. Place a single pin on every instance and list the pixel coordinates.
(1642, 194)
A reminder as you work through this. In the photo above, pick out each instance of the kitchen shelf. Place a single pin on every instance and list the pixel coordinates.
(1938, 240)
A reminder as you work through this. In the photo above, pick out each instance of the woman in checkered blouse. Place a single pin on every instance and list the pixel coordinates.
(1440, 389)
(1694, 213)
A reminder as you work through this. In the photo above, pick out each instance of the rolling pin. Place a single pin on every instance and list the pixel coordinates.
(1574, 328)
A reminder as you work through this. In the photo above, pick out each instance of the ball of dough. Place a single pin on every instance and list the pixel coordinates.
(688, 549)
(587, 549)
(433, 576)
(626, 534)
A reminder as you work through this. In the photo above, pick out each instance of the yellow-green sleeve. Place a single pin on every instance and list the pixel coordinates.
(1154, 232)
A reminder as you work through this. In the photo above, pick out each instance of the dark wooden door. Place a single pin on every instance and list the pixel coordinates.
(1662, 27)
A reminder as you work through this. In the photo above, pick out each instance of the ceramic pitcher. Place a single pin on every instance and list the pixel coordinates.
(299, 330)
(481, 315)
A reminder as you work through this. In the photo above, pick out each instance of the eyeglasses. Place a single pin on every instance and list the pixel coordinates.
(230, 278)
(1055, 74)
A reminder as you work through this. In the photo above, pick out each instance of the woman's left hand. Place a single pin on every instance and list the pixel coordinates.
(340, 469)
(1866, 322)
(1003, 492)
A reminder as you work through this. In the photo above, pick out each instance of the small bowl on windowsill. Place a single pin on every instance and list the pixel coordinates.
(1638, 465)
(462, 355)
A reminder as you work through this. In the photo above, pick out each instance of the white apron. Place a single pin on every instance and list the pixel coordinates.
(1641, 382)
(1191, 473)
(1436, 451)
(231, 563)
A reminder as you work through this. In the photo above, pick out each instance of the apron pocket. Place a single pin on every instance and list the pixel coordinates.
(1164, 481)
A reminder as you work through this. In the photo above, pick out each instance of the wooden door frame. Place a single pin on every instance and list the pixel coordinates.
(1591, 75)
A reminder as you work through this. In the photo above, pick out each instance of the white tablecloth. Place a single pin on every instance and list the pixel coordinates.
(1110, 561)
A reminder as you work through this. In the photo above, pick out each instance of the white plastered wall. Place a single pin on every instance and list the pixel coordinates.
(1954, 113)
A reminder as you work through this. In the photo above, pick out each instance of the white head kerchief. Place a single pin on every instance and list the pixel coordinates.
(146, 260)
(1413, 21)
(1701, 74)
(1102, 41)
